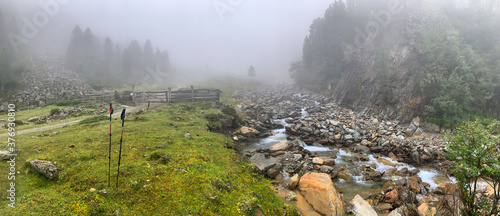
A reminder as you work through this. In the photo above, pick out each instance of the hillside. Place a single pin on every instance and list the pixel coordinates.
(163, 170)
(47, 79)
(430, 59)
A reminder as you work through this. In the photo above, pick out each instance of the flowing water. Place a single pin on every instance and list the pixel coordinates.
(346, 158)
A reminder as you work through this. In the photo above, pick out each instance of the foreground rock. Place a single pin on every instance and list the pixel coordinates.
(319, 191)
(46, 168)
(446, 188)
(359, 207)
(280, 146)
(6, 155)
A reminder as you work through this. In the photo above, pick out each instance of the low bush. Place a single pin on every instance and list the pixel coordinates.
(55, 111)
(65, 102)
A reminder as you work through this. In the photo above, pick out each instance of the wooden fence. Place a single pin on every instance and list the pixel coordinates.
(169, 96)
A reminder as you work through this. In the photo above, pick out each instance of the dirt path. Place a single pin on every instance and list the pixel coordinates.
(44, 128)
(116, 114)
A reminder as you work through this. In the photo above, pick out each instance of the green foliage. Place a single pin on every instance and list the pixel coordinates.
(453, 59)
(229, 111)
(55, 111)
(449, 74)
(94, 119)
(474, 153)
(65, 102)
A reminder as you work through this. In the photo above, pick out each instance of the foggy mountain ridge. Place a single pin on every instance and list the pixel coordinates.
(417, 62)
(266, 34)
(387, 75)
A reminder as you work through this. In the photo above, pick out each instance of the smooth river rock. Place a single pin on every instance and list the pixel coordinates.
(319, 191)
(282, 146)
(359, 207)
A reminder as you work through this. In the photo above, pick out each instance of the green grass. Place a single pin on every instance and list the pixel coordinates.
(94, 119)
(197, 176)
(24, 115)
(65, 103)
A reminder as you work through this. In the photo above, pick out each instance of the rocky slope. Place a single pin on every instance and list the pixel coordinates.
(400, 64)
(47, 79)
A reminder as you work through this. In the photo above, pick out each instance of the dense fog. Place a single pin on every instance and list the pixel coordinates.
(218, 36)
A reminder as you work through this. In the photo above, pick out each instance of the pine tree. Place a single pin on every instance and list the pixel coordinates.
(7, 77)
(149, 56)
(73, 53)
(251, 71)
(136, 55)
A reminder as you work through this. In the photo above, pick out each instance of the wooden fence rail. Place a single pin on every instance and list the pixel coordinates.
(169, 96)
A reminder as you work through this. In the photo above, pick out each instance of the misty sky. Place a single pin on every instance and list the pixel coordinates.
(267, 34)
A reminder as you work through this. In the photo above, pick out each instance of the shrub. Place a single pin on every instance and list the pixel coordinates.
(232, 112)
(65, 102)
(473, 151)
(55, 111)
(229, 111)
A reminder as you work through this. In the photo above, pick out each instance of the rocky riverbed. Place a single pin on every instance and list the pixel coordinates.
(306, 143)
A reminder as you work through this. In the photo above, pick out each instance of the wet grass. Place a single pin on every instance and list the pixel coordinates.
(24, 115)
(161, 173)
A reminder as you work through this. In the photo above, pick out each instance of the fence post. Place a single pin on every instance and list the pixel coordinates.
(192, 94)
(169, 94)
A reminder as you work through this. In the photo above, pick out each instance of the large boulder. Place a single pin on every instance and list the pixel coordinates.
(3, 122)
(328, 161)
(425, 210)
(391, 196)
(273, 172)
(33, 119)
(46, 168)
(345, 174)
(418, 132)
(262, 163)
(410, 130)
(414, 187)
(446, 188)
(403, 210)
(246, 131)
(282, 146)
(6, 155)
(294, 181)
(359, 207)
(319, 191)
(317, 160)
(385, 162)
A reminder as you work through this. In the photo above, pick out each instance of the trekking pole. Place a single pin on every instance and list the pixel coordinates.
(121, 141)
(109, 155)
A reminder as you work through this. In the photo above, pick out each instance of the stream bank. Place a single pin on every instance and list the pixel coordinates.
(387, 163)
